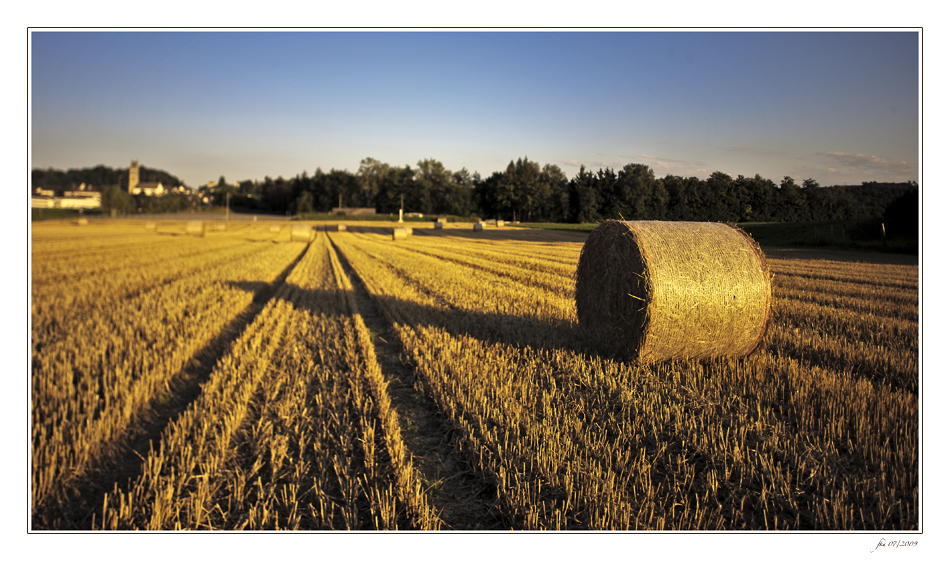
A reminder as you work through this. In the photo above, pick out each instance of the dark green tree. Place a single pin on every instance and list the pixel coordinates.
(584, 197)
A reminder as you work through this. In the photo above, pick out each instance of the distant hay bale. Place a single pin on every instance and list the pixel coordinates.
(653, 290)
(340, 228)
(408, 230)
(499, 222)
(438, 225)
(477, 227)
(150, 225)
(195, 228)
(399, 233)
(301, 233)
(274, 228)
(218, 226)
(81, 222)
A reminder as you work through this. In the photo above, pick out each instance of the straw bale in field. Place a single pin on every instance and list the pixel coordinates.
(399, 233)
(340, 228)
(81, 222)
(499, 222)
(195, 228)
(301, 233)
(655, 290)
(218, 226)
(408, 230)
(477, 227)
(438, 224)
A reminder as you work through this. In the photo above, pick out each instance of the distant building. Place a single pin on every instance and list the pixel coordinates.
(151, 189)
(82, 199)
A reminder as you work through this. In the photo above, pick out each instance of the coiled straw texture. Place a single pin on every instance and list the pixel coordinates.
(656, 290)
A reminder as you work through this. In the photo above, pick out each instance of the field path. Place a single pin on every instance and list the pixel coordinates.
(462, 499)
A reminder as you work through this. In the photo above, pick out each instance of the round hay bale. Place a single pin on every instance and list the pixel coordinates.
(341, 228)
(499, 222)
(195, 228)
(408, 230)
(477, 227)
(655, 290)
(399, 233)
(300, 233)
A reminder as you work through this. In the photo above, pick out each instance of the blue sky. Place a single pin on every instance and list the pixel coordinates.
(837, 107)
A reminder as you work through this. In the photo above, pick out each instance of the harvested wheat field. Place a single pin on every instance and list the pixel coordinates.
(249, 379)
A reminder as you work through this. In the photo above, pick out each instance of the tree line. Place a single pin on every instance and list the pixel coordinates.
(527, 191)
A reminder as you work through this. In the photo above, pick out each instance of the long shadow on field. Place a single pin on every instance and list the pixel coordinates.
(491, 328)
(79, 499)
(503, 234)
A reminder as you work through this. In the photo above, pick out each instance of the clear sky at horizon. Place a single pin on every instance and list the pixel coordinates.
(837, 107)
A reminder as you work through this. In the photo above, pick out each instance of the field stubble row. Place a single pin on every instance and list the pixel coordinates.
(295, 427)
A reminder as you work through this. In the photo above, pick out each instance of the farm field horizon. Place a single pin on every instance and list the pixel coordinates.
(248, 379)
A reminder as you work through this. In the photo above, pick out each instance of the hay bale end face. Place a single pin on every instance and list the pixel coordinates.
(399, 233)
(301, 233)
(438, 225)
(477, 227)
(195, 228)
(654, 290)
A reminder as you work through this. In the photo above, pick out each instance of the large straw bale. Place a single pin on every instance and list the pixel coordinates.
(499, 222)
(195, 228)
(438, 225)
(301, 233)
(340, 228)
(81, 222)
(399, 233)
(654, 290)
(477, 227)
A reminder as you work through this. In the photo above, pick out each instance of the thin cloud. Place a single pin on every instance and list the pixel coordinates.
(666, 161)
(750, 150)
(871, 163)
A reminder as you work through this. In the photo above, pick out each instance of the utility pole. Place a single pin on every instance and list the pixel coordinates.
(400, 208)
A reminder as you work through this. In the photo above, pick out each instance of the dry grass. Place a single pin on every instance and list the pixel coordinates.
(294, 428)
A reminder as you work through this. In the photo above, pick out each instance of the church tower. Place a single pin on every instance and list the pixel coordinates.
(133, 175)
